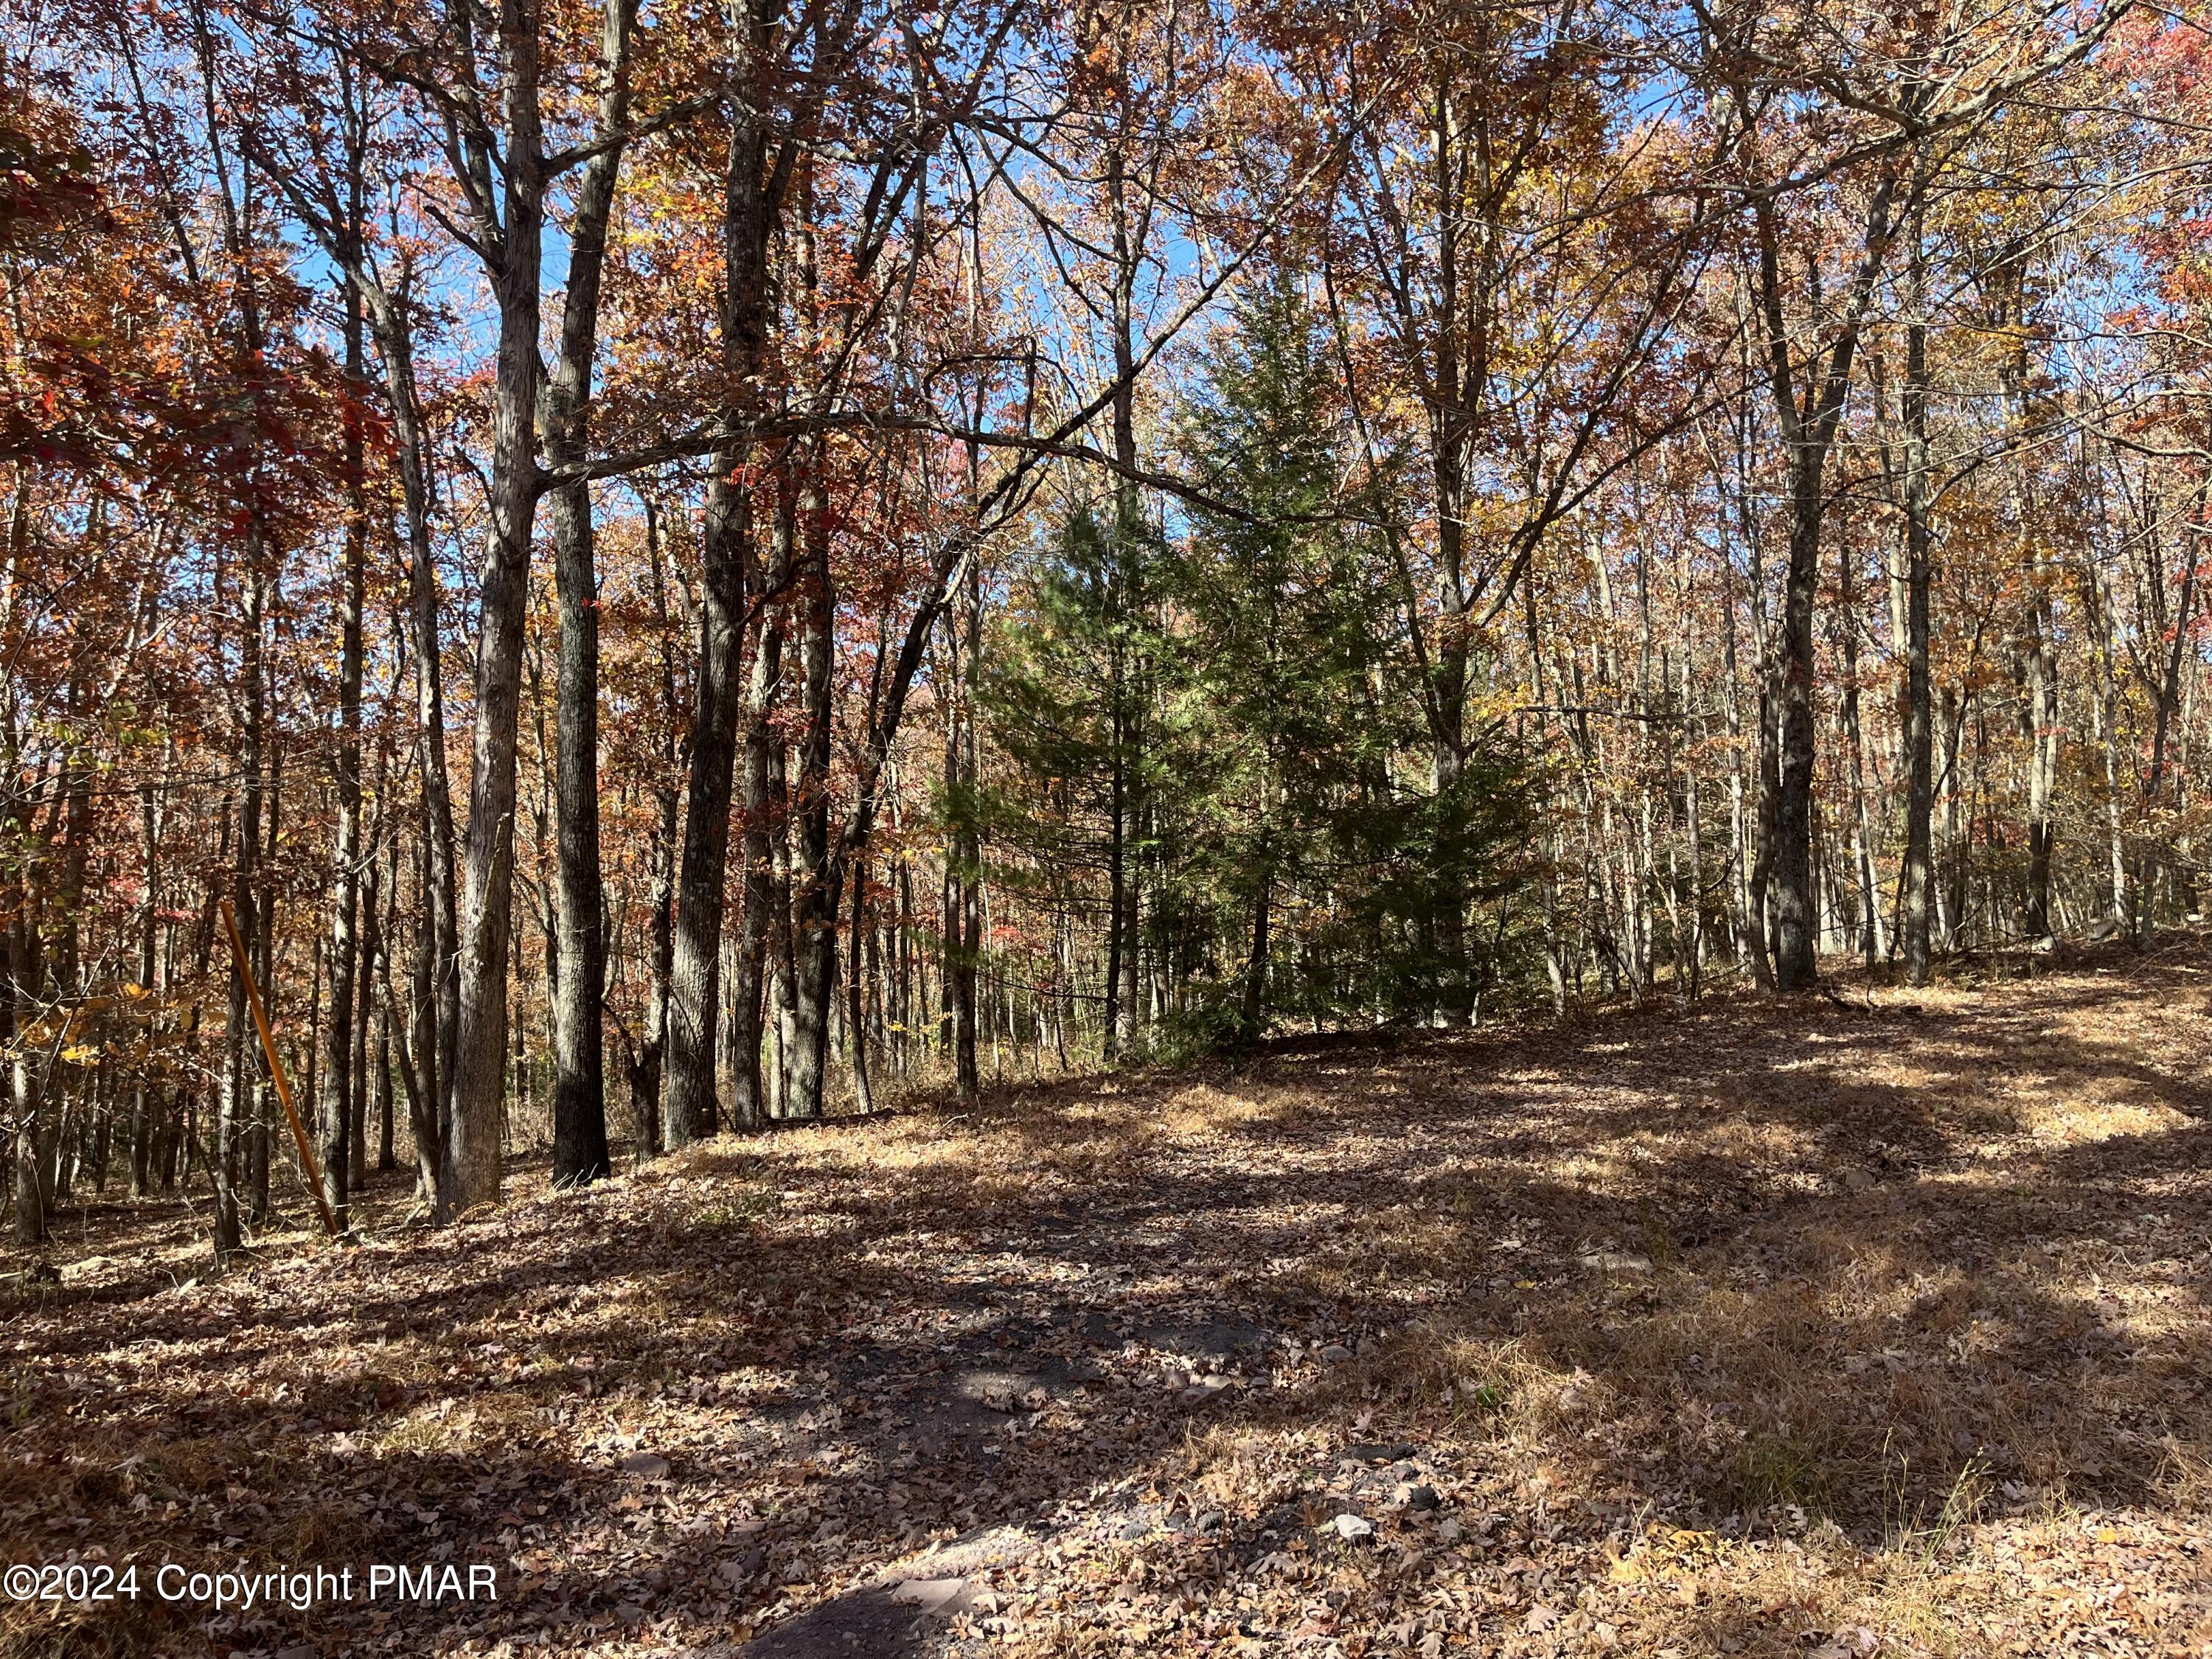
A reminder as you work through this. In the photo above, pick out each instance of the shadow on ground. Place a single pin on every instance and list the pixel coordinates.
(1743, 1269)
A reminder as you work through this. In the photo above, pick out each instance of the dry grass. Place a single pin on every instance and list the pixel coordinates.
(1740, 1329)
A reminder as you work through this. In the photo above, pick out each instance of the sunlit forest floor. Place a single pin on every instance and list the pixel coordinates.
(1870, 1324)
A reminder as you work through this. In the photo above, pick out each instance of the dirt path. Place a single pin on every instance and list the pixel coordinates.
(1834, 1330)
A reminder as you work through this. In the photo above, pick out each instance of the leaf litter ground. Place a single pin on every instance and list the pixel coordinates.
(1829, 1329)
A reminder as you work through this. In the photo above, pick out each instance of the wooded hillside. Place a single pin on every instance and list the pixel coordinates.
(616, 615)
(679, 570)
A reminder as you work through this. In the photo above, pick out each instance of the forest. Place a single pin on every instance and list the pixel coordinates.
(630, 632)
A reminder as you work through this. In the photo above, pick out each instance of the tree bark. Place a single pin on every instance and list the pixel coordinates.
(469, 1173)
(364, 1004)
(856, 997)
(817, 880)
(963, 853)
(1919, 875)
(579, 1113)
(234, 1110)
(1809, 429)
(750, 190)
(143, 1109)
(335, 1097)
(759, 803)
(660, 944)
(1255, 962)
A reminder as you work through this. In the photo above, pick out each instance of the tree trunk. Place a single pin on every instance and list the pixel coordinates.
(235, 1111)
(30, 1199)
(334, 1097)
(1116, 868)
(1744, 819)
(856, 999)
(1792, 890)
(1255, 962)
(437, 999)
(580, 1111)
(141, 1097)
(1460, 372)
(364, 1016)
(1809, 429)
(579, 1124)
(2168, 703)
(1919, 875)
(748, 996)
(687, 1100)
(1871, 943)
(645, 1071)
(962, 920)
(817, 881)
(425, 1116)
(469, 1173)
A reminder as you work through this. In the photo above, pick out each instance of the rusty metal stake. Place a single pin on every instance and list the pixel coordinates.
(277, 1070)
